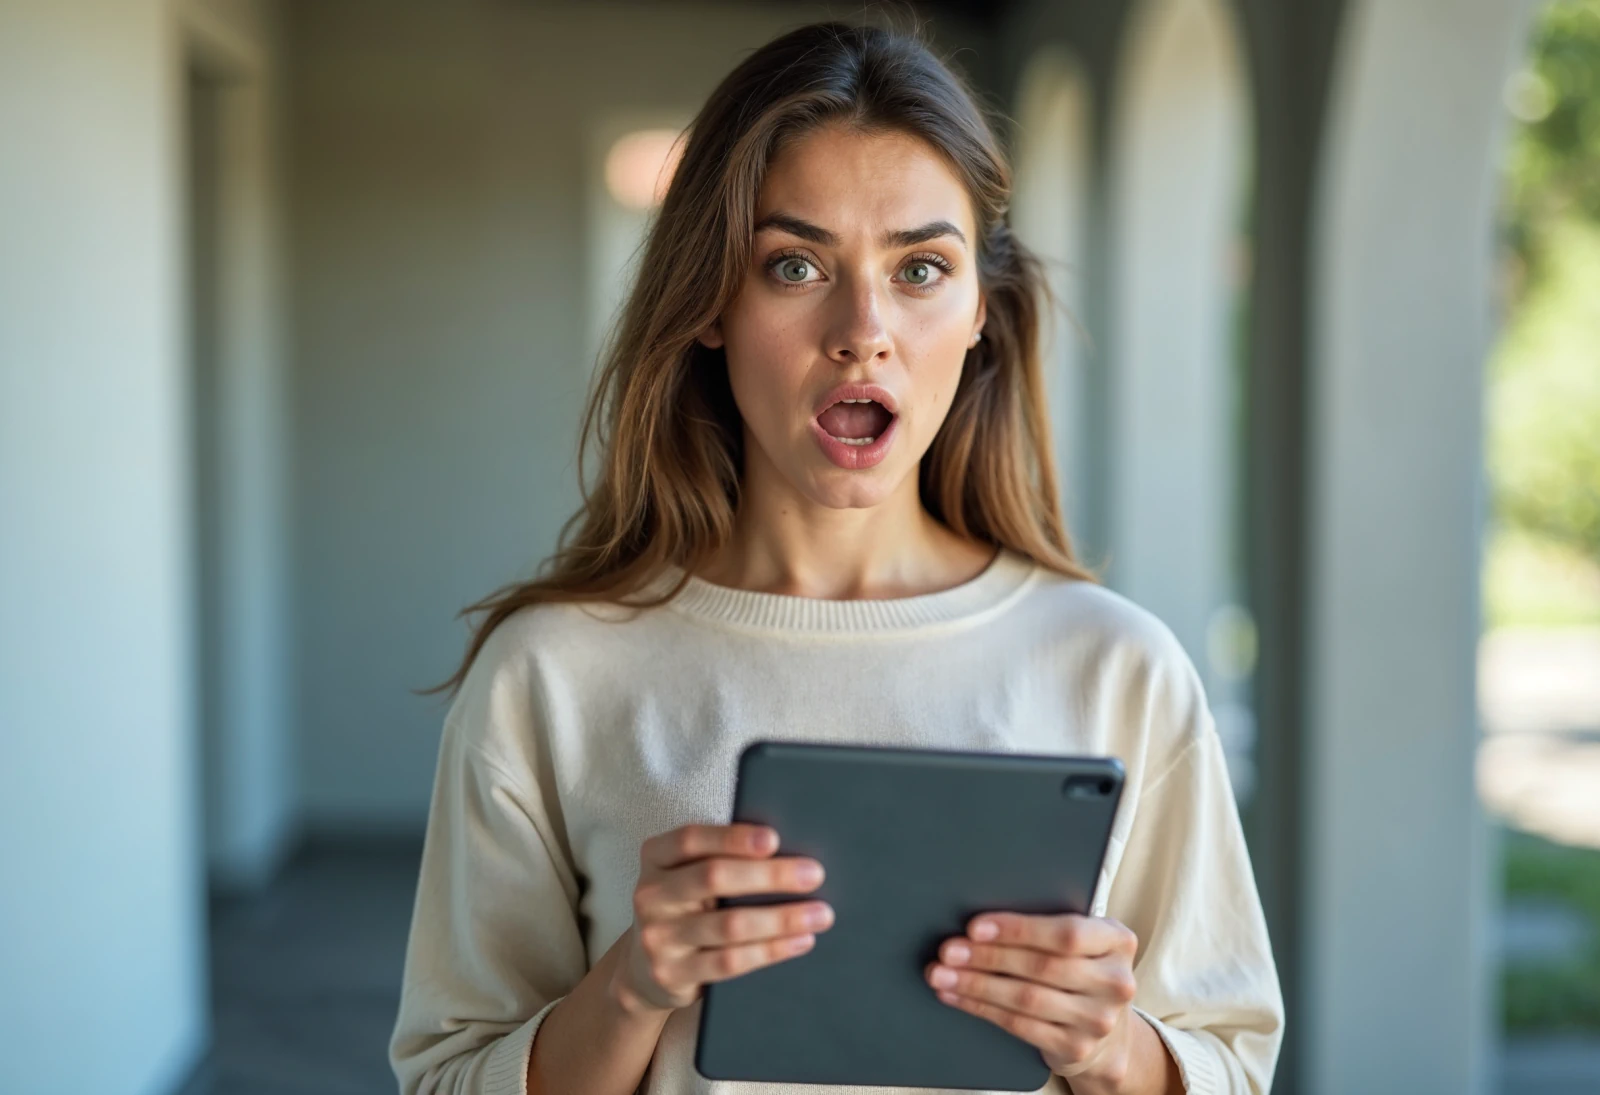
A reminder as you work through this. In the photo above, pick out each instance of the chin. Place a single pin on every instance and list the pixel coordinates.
(851, 490)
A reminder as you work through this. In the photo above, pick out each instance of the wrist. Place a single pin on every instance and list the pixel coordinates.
(624, 1000)
(1135, 1061)
(1107, 1072)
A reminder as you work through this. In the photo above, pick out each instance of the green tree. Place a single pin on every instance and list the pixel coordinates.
(1544, 442)
(1544, 405)
(1555, 156)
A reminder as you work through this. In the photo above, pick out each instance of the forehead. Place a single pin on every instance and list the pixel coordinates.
(850, 181)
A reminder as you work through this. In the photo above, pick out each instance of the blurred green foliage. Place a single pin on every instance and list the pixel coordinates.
(1544, 397)
(1554, 995)
(1543, 563)
(1555, 163)
(1544, 383)
(1531, 582)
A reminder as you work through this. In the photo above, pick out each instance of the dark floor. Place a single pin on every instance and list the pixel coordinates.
(305, 977)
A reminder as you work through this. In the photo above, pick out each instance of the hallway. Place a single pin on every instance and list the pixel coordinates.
(299, 302)
(306, 976)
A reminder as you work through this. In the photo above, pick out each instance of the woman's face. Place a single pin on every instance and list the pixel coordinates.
(863, 286)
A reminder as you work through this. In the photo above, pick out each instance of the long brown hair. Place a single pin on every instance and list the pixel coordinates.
(662, 413)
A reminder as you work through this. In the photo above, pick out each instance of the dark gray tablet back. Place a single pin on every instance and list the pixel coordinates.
(914, 843)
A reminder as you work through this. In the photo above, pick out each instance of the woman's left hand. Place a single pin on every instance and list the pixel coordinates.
(1061, 983)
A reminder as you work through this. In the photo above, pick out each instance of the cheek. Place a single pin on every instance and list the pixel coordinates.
(938, 339)
(942, 362)
(766, 364)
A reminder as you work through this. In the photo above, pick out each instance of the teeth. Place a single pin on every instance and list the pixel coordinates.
(853, 440)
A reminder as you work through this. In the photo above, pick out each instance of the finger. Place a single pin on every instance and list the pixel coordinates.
(723, 963)
(695, 883)
(1051, 1038)
(1107, 977)
(1027, 998)
(691, 842)
(754, 923)
(1067, 934)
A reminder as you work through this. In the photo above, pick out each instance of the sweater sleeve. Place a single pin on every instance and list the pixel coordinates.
(495, 938)
(1205, 973)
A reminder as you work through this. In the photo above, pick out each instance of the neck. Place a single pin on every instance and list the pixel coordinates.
(785, 543)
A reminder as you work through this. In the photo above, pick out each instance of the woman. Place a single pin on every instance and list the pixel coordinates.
(825, 511)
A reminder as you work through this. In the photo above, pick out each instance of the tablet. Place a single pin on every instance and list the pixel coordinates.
(914, 844)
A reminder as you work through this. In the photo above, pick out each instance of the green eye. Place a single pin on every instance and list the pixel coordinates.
(793, 269)
(917, 273)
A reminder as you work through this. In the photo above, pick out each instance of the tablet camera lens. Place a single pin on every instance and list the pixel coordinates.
(1086, 787)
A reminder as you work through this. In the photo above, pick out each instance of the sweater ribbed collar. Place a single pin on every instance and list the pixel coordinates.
(1001, 582)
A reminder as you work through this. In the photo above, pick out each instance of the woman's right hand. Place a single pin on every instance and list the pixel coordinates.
(680, 941)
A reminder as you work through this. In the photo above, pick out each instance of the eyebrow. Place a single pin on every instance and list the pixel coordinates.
(902, 237)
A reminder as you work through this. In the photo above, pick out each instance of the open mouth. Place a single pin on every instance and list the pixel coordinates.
(856, 426)
(855, 422)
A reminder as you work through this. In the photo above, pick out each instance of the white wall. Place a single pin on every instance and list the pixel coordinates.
(101, 918)
(1397, 991)
(441, 173)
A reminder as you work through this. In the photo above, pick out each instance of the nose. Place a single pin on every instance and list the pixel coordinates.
(859, 336)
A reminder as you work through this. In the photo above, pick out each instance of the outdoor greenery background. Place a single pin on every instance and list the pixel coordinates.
(1542, 558)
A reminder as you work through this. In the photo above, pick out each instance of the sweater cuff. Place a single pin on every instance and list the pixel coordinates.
(1197, 1060)
(505, 1071)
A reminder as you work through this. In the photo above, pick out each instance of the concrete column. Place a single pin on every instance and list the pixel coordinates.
(1396, 991)
(1179, 160)
(1053, 174)
(102, 960)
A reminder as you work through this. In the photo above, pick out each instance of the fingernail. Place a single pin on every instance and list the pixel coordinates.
(801, 943)
(985, 929)
(957, 953)
(810, 873)
(819, 917)
(766, 840)
(943, 978)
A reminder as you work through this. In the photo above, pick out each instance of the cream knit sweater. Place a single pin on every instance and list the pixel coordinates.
(578, 734)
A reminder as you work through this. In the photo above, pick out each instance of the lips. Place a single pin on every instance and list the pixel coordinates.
(854, 424)
(875, 392)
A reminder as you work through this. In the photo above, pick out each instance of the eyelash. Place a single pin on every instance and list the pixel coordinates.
(939, 261)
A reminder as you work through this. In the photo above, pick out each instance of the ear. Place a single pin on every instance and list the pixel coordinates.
(711, 337)
(983, 313)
